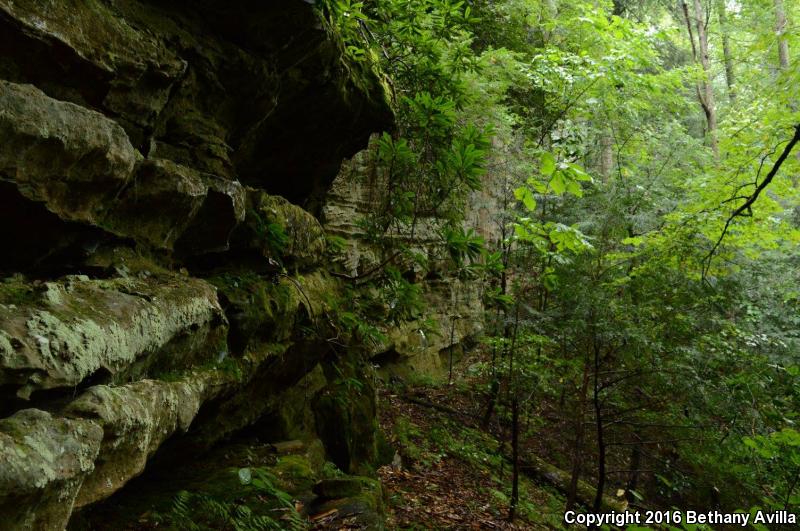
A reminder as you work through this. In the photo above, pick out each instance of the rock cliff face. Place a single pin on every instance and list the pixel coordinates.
(454, 305)
(161, 291)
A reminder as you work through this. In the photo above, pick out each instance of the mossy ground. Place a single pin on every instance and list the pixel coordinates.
(247, 474)
(242, 485)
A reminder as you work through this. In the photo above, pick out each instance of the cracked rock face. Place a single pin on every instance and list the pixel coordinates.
(142, 118)
(254, 91)
(96, 58)
(455, 304)
(81, 166)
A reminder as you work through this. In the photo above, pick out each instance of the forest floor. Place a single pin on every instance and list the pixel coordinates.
(451, 474)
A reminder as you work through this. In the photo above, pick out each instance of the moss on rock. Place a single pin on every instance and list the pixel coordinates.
(345, 487)
(281, 231)
(355, 500)
(294, 473)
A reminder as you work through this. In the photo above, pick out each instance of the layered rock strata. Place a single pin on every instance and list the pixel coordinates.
(158, 295)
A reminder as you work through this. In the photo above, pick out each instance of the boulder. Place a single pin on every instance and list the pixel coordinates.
(281, 231)
(168, 203)
(350, 501)
(221, 211)
(160, 204)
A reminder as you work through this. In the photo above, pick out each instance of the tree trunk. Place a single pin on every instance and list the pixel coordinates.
(606, 154)
(783, 53)
(452, 348)
(577, 451)
(633, 479)
(493, 392)
(512, 509)
(708, 89)
(780, 29)
(601, 445)
(495, 387)
(705, 90)
(730, 75)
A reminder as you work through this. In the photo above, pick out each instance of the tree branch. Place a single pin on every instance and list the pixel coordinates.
(751, 199)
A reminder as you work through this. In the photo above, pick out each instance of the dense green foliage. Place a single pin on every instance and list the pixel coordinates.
(644, 284)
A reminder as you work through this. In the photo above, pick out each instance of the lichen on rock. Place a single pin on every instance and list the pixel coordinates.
(79, 326)
(44, 463)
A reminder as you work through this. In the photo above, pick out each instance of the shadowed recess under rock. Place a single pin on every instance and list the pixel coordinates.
(254, 90)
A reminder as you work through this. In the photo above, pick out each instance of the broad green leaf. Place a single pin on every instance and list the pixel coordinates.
(525, 195)
(558, 184)
(547, 164)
